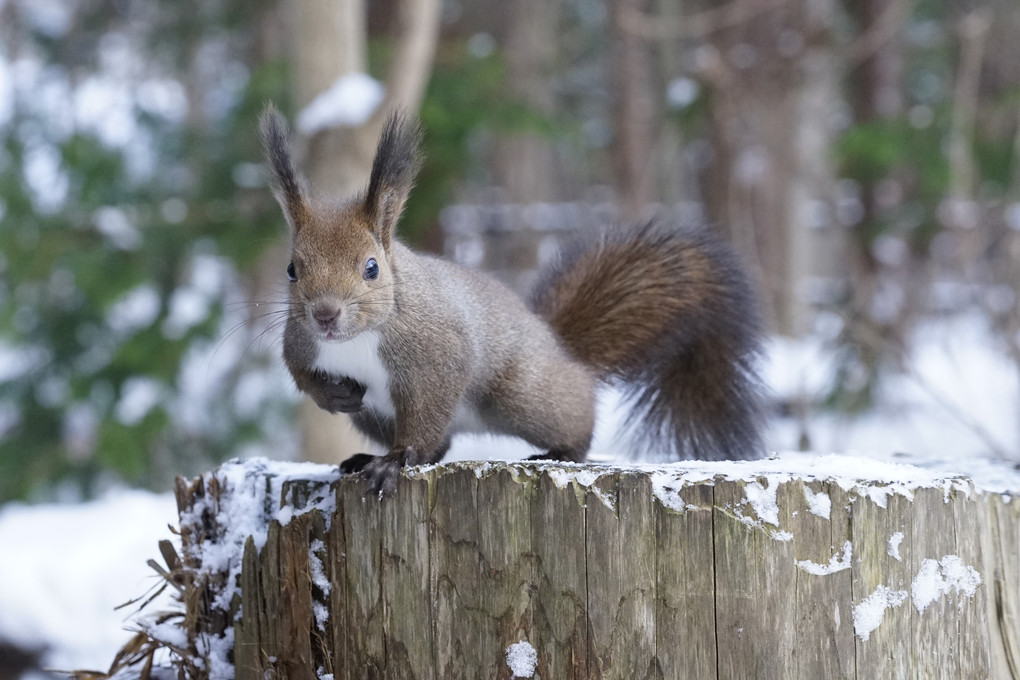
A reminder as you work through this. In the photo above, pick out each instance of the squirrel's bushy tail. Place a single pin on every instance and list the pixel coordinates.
(669, 314)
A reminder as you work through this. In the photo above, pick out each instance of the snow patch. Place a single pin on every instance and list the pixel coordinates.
(170, 633)
(217, 649)
(874, 479)
(838, 562)
(351, 100)
(945, 414)
(250, 499)
(763, 500)
(666, 489)
(938, 578)
(818, 503)
(65, 568)
(482, 469)
(864, 477)
(585, 477)
(316, 567)
(321, 614)
(522, 659)
(252, 493)
(869, 612)
(894, 546)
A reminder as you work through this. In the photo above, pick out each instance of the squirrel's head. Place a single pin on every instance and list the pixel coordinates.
(342, 276)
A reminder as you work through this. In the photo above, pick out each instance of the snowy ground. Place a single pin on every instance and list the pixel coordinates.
(64, 567)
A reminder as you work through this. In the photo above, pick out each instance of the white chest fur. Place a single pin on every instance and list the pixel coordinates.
(359, 360)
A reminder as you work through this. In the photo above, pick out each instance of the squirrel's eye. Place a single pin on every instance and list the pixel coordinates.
(291, 273)
(371, 269)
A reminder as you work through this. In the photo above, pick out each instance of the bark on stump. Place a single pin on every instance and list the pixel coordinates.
(607, 572)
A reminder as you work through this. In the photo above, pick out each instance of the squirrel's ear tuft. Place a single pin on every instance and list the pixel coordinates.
(397, 161)
(288, 191)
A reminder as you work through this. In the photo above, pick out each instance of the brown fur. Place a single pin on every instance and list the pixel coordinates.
(454, 343)
(668, 313)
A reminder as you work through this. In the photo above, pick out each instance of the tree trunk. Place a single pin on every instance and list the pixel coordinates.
(525, 163)
(764, 76)
(604, 572)
(635, 111)
(815, 245)
(876, 93)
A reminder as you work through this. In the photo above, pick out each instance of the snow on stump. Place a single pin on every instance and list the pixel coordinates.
(768, 569)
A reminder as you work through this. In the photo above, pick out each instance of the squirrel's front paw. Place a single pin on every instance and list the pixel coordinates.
(339, 395)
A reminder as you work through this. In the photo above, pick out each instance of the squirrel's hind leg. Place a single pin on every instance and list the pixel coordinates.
(550, 405)
(571, 455)
(562, 428)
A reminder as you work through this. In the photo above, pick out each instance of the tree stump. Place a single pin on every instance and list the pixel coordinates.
(733, 570)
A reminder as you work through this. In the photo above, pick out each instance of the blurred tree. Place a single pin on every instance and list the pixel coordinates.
(127, 193)
(767, 84)
(927, 157)
(636, 111)
(875, 68)
(525, 163)
(759, 76)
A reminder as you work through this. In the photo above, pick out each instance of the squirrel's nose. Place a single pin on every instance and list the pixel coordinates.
(326, 314)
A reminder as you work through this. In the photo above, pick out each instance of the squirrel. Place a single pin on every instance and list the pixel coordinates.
(417, 349)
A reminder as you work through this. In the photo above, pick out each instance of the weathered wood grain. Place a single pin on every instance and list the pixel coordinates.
(341, 658)
(507, 563)
(685, 641)
(363, 636)
(824, 646)
(406, 583)
(755, 589)
(712, 578)
(247, 652)
(559, 605)
(936, 629)
(621, 565)
(971, 653)
(461, 623)
(887, 648)
(1000, 546)
(293, 650)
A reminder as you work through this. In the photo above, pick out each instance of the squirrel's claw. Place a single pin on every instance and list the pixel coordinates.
(381, 472)
(355, 463)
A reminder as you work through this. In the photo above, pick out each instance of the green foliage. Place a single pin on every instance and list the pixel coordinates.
(873, 151)
(88, 280)
(995, 154)
(460, 99)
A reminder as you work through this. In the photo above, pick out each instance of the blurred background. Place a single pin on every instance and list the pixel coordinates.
(862, 155)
